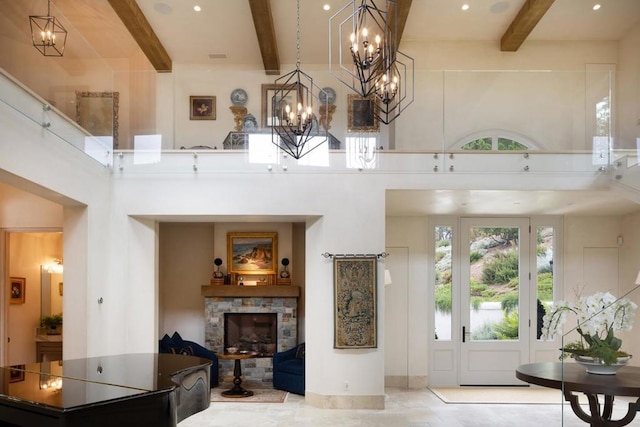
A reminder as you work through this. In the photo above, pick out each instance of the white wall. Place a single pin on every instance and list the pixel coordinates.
(406, 355)
(628, 92)
(460, 88)
(40, 163)
(343, 230)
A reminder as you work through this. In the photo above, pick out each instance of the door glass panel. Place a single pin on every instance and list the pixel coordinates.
(443, 296)
(545, 241)
(493, 283)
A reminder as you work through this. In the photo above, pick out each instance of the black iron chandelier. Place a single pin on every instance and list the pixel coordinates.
(373, 65)
(48, 34)
(294, 105)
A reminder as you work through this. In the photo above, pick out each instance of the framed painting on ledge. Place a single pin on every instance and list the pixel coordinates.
(274, 109)
(252, 253)
(361, 114)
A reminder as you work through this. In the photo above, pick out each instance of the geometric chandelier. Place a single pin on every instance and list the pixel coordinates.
(295, 107)
(363, 55)
(47, 34)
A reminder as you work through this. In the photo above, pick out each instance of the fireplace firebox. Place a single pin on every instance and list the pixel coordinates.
(251, 332)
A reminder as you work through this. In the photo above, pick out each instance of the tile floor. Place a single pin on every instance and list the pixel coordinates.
(403, 408)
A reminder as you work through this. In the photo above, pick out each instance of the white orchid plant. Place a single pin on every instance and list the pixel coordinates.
(598, 318)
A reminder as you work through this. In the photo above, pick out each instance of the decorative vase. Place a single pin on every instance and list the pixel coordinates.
(596, 366)
(54, 330)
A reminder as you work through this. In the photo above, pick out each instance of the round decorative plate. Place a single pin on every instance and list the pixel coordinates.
(328, 95)
(239, 97)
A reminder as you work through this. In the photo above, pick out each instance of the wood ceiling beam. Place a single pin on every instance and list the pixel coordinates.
(527, 18)
(403, 7)
(265, 30)
(137, 24)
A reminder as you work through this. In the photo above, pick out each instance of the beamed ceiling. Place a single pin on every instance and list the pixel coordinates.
(531, 12)
(261, 34)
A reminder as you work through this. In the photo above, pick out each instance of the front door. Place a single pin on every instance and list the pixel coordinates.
(494, 299)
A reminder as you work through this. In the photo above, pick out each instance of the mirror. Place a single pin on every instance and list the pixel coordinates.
(51, 290)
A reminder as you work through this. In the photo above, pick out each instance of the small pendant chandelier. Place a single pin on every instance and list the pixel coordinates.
(294, 105)
(47, 34)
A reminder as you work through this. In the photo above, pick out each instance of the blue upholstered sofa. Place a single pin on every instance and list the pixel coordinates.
(288, 370)
(176, 345)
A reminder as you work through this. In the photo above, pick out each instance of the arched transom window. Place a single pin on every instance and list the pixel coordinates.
(496, 141)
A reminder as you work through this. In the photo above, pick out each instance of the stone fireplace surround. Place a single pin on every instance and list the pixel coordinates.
(219, 300)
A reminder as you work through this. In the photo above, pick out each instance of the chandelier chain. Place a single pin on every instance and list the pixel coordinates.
(298, 35)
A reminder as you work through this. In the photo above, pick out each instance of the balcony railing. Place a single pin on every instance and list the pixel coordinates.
(429, 137)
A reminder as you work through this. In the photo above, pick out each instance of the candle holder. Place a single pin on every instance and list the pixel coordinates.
(218, 277)
(285, 276)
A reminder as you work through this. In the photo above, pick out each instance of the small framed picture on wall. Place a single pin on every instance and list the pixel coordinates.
(17, 290)
(202, 107)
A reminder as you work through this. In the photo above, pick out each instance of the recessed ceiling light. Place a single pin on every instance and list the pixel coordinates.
(596, 6)
(197, 8)
(326, 6)
(465, 6)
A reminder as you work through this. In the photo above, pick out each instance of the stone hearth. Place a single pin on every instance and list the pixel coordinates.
(249, 301)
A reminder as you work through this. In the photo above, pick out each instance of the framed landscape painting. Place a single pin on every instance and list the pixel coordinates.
(355, 314)
(252, 252)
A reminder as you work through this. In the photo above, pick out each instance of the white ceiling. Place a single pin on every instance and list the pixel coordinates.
(226, 27)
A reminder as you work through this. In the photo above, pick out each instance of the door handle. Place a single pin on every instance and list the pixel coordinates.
(463, 334)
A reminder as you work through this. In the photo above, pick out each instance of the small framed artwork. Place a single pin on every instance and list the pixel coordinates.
(16, 373)
(362, 116)
(251, 253)
(355, 317)
(274, 109)
(17, 290)
(97, 113)
(202, 107)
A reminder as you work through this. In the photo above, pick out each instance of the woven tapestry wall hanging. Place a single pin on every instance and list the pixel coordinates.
(355, 302)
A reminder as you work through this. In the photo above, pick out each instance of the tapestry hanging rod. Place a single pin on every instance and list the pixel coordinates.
(380, 255)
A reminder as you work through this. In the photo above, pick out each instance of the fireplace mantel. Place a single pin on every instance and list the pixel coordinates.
(273, 291)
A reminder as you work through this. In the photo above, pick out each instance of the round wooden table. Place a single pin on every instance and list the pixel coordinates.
(237, 390)
(572, 378)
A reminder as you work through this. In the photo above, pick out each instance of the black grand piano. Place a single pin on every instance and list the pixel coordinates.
(123, 390)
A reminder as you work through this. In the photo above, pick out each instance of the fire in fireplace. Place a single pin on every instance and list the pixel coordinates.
(251, 332)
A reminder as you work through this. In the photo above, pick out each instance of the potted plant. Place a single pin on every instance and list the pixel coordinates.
(598, 317)
(52, 323)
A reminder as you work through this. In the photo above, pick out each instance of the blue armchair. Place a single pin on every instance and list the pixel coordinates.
(288, 370)
(176, 345)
